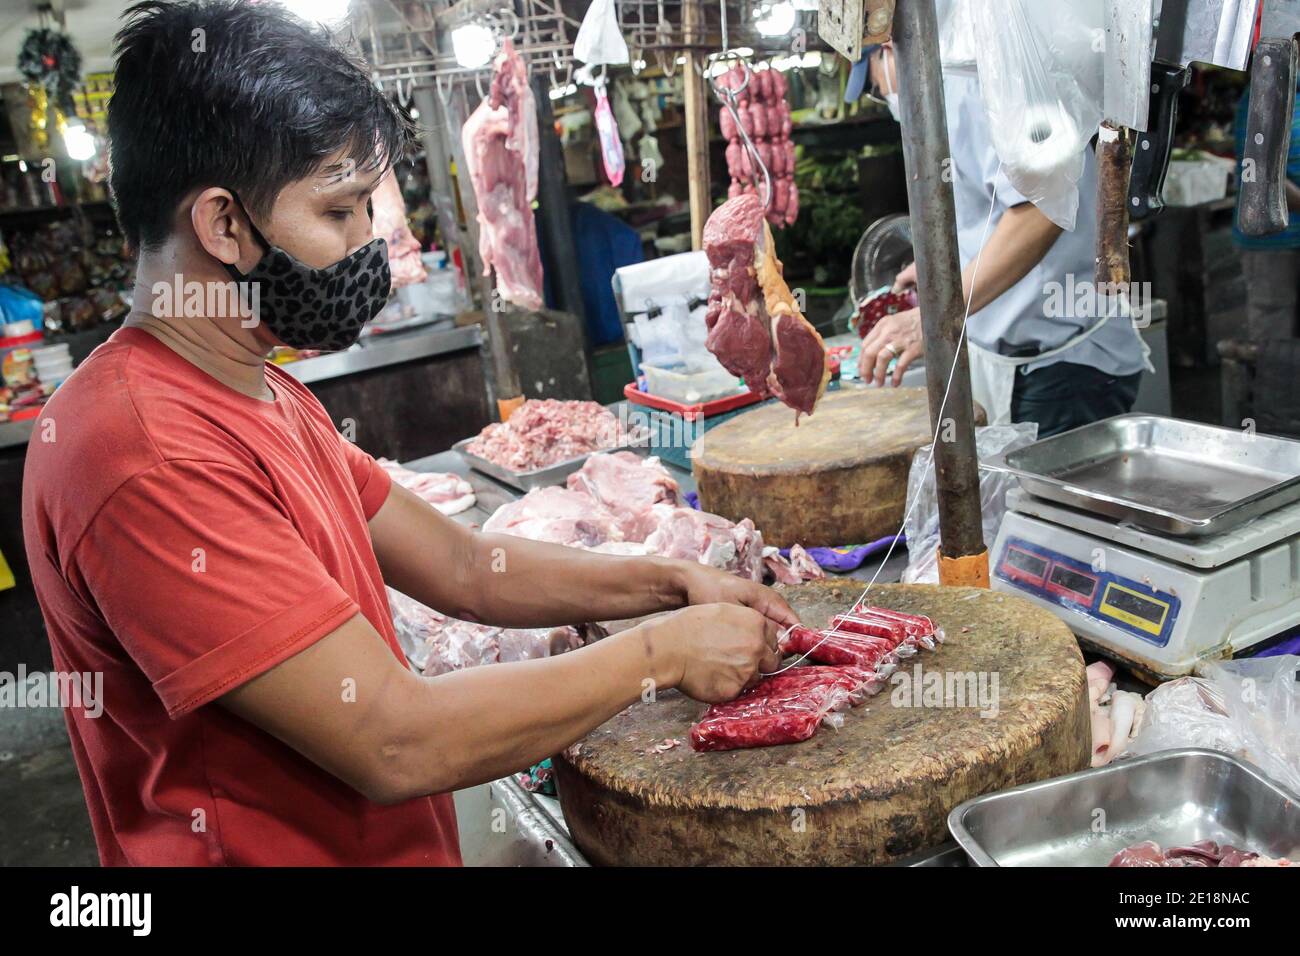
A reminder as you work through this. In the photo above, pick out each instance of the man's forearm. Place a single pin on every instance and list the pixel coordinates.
(1019, 242)
(524, 712)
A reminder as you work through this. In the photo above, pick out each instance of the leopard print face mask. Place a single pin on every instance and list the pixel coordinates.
(321, 309)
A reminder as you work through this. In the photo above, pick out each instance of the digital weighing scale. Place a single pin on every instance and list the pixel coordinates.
(1156, 603)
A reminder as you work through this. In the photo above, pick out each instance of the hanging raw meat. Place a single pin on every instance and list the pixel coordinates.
(501, 151)
(755, 327)
(391, 226)
(765, 116)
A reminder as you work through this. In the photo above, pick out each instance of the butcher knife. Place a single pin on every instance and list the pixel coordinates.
(1127, 73)
(1263, 208)
(1217, 32)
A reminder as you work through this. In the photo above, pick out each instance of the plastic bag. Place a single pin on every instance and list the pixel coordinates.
(599, 39)
(611, 145)
(922, 522)
(1041, 77)
(1249, 708)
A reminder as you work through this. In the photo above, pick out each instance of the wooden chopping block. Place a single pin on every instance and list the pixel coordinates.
(879, 788)
(840, 477)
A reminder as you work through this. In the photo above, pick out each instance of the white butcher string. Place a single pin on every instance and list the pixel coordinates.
(961, 339)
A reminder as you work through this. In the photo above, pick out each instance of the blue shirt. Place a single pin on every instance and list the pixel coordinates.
(1290, 237)
(1020, 317)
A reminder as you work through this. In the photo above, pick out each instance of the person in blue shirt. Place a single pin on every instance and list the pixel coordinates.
(1272, 263)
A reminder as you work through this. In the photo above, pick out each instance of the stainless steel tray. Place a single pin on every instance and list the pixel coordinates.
(1174, 797)
(542, 477)
(1170, 476)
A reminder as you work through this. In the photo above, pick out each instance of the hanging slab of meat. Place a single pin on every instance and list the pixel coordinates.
(755, 327)
(765, 116)
(391, 226)
(875, 790)
(450, 494)
(501, 154)
(840, 478)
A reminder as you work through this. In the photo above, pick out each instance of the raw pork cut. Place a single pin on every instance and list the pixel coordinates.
(691, 535)
(544, 432)
(628, 485)
(755, 328)
(558, 515)
(796, 569)
(438, 644)
(391, 226)
(626, 505)
(450, 494)
(783, 709)
(501, 153)
(765, 116)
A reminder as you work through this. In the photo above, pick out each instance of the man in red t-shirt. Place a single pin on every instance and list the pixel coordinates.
(201, 536)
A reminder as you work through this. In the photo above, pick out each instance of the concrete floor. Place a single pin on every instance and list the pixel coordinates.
(43, 820)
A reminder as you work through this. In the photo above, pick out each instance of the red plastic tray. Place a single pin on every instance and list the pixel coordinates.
(690, 412)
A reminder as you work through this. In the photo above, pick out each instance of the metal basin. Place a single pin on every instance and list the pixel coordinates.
(1174, 797)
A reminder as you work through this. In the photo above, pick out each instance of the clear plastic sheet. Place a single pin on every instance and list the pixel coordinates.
(1041, 76)
(1249, 708)
(922, 524)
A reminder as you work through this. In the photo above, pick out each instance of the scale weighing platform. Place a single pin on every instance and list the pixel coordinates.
(1157, 604)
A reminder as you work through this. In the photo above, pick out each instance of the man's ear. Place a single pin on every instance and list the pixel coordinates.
(222, 229)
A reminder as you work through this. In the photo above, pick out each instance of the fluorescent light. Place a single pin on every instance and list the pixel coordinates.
(80, 144)
(319, 11)
(777, 19)
(473, 44)
(807, 6)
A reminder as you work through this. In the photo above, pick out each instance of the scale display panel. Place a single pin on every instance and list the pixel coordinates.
(1129, 605)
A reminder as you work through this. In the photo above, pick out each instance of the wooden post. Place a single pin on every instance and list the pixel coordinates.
(697, 122)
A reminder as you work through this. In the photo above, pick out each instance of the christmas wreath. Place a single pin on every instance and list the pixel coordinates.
(48, 57)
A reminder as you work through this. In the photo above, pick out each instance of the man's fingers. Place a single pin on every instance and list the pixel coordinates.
(910, 355)
(882, 363)
(775, 608)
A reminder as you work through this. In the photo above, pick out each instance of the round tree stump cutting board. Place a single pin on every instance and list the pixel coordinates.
(839, 477)
(880, 787)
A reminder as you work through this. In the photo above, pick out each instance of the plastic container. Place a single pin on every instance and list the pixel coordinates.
(690, 388)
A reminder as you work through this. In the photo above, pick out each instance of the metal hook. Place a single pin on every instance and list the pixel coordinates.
(728, 96)
(667, 60)
(437, 85)
(478, 82)
(404, 96)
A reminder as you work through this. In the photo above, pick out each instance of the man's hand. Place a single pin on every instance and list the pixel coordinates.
(706, 585)
(895, 336)
(906, 279)
(722, 649)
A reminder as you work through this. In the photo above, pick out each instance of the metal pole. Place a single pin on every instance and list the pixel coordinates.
(963, 559)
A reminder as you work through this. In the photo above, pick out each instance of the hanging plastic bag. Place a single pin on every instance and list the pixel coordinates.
(599, 39)
(611, 146)
(922, 522)
(1041, 77)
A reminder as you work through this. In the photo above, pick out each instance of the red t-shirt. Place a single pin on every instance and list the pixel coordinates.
(183, 539)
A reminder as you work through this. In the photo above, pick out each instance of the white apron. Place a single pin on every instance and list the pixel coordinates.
(993, 376)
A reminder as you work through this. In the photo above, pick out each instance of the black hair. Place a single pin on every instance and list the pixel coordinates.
(234, 94)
